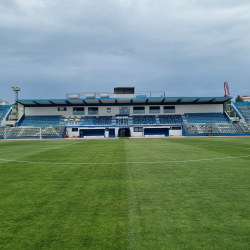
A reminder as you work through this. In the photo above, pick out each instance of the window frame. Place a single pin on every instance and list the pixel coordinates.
(154, 109)
(78, 112)
(169, 109)
(138, 109)
(61, 109)
(93, 112)
(138, 129)
(176, 128)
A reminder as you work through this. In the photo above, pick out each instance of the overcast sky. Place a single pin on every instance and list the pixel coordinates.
(186, 47)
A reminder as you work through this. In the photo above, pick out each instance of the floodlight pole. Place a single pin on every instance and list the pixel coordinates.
(16, 90)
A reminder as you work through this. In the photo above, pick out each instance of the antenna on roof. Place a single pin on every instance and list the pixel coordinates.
(226, 89)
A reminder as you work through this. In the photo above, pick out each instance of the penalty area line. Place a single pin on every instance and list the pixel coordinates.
(117, 163)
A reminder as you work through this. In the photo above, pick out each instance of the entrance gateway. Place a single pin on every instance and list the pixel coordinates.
(124, 132)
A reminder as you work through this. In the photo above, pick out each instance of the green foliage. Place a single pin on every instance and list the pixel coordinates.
(238, 99)
(228, 108)
(125, 194)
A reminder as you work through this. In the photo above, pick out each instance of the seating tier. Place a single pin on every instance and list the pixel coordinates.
(144, 119)
(40, 120)
(170, 119)
(245, 111)
(206, 118)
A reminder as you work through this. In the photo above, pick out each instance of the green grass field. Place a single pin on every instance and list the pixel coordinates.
(125, 194)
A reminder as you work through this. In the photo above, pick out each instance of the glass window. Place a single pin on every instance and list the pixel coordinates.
(124, 90)
(169, 109)
(154, 109)
(62, 109)
(176, 128)
(138, 129)
(93, 111)
(74, 129)
(124, 110)
(138, 110)
(78, 111)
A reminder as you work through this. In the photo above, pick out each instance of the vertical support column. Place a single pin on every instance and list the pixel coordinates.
(5, 133)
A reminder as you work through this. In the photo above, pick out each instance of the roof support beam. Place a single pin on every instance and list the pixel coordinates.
(196, 100)
(212, 100)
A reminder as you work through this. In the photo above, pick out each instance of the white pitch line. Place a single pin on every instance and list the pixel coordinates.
(116, 163)
(229, 147)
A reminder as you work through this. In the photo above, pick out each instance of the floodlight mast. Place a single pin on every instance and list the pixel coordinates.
(16, 90)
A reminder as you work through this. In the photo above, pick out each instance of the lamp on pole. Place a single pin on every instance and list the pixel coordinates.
(16, 90)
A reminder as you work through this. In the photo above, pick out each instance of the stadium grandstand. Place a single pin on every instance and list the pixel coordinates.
(125, 113)
(5, 111)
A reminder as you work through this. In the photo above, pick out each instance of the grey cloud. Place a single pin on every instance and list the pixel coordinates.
(183, 47)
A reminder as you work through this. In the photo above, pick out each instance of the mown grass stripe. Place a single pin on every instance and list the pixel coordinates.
(118, 163)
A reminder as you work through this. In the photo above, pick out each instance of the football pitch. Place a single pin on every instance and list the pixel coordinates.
(125, 194)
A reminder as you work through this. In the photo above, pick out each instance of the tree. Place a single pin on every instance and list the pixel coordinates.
(228, 108)
(238, 99)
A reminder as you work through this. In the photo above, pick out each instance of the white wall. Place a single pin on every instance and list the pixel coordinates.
(54, 111)
(70, 133)
(202, 108)
(175, 132)
(179, 109)
(136, 134)
(103, 110)
(47, 111)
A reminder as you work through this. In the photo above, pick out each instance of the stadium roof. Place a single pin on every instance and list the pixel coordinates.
(124, 101)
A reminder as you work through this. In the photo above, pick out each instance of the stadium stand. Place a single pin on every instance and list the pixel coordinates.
(96, 120)
(102, 121)
(224, 128)
(40, 120)
(216, 128)
(3, 111)
(243, 126)
(121, 121)
(170, 119)
(2, 132)
(206, 118)
(144, 120)
(28, 132)
(244, 110)
(197, 128)
(147, 114)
